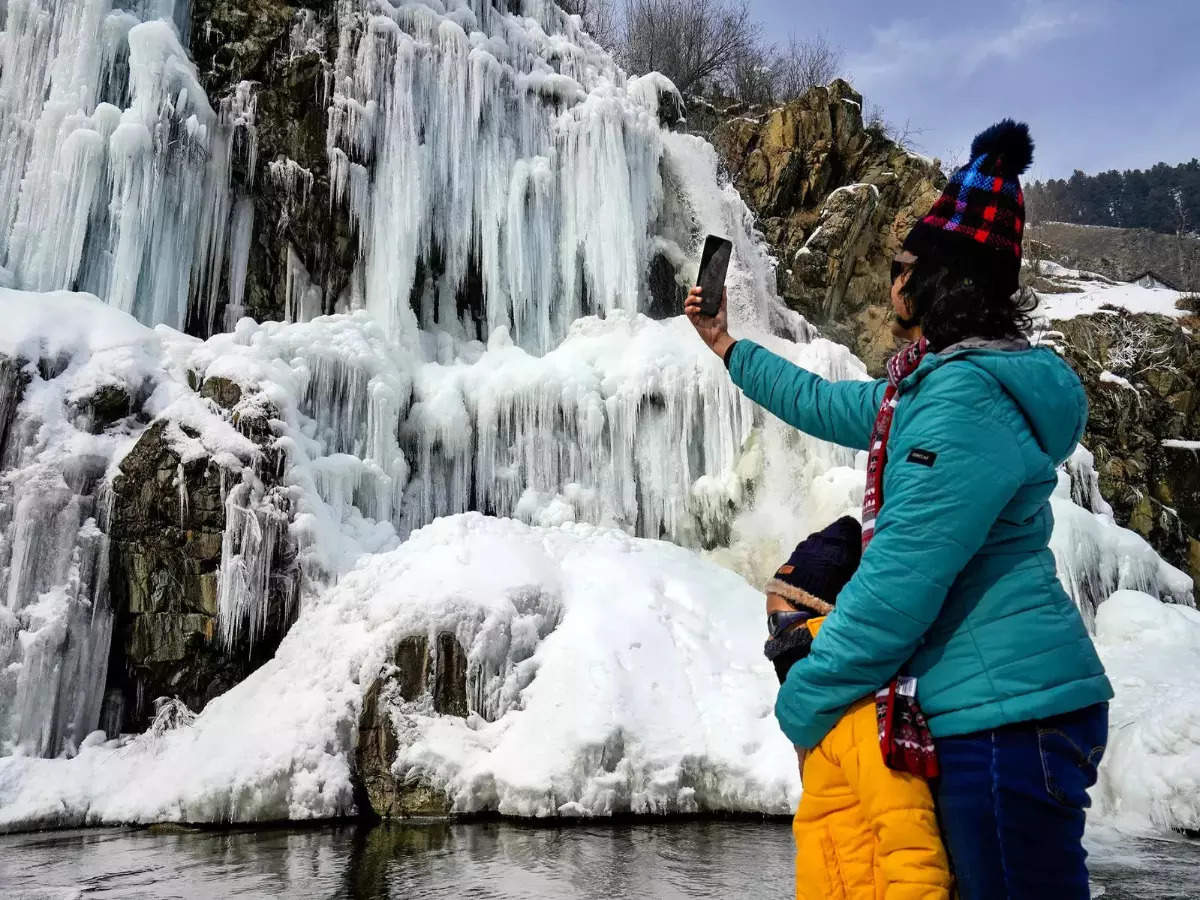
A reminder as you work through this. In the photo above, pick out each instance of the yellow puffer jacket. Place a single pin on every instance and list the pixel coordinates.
(864, 831)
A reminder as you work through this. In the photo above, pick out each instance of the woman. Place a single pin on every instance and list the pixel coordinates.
(957, 586)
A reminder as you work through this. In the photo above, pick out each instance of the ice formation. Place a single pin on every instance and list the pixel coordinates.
(55, 619)
(1150, 779)
(606, 688)
(499, 354)
(115, 176)
(1096, 557)
(62, 357)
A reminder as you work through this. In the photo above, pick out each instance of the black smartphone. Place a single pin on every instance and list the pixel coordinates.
(714, 265)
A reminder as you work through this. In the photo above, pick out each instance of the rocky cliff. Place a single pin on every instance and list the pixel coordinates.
(834, 200)
(1142, 376)
(271, 61)
(121, 527)
(168, 542)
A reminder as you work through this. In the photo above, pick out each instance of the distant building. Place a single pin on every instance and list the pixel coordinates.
(1151, 280)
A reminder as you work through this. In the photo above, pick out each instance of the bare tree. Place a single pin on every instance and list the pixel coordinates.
(753, 78)
(766, 74)
(905, 135)
(599, 19)
(804, 64)
(692, 42)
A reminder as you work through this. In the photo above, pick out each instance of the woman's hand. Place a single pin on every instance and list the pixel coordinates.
(713, 330)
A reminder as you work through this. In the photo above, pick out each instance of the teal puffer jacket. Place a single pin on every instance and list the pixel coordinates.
(958, 585)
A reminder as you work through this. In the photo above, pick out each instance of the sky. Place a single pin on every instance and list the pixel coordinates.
(1103, 84)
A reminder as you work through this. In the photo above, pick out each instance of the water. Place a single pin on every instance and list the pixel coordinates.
(484, 860)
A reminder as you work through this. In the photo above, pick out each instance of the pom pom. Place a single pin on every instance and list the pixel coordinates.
(1011, 142)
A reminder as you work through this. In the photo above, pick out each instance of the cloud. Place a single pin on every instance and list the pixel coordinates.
(902, 50)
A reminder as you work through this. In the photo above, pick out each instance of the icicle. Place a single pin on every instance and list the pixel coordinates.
(255, 531)
(1096, 557)
(181, 490)
(1085, 482)
(295, 181)
(133, 204)
(240, 237)
(307, 35)
(239, 115)
(55, 621)
(304, 299)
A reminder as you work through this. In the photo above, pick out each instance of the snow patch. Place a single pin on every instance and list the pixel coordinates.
(1109, 378)
(1087, 292)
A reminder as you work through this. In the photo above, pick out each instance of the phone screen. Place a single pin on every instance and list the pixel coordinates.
(714, 265)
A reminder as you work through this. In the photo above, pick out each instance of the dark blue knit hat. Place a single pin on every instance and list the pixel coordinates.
(820, 566)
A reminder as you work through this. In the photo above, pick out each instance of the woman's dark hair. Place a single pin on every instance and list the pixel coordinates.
(954, 299)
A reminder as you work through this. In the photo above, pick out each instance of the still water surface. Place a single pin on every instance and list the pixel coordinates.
(480, 860)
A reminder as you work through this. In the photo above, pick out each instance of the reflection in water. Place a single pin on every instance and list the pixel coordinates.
(485, 860)
(695, 859)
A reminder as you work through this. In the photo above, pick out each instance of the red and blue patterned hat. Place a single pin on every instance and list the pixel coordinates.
(981, 213)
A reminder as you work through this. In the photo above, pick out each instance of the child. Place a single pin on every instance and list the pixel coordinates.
(862, 830)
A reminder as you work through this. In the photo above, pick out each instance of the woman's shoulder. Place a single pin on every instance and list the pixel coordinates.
(1031, 390)
(953, 382)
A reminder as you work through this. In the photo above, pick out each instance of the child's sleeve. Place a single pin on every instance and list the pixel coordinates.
(899, 809)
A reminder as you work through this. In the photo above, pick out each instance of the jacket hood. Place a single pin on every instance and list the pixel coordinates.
(1043, 385)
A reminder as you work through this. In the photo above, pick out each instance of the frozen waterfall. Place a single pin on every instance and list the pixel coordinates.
(115, 175)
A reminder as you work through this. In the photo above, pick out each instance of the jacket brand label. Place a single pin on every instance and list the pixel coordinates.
(922, 457)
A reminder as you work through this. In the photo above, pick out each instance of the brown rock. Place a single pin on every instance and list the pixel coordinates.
(166, 534)
(835, 201)
(225, 393)
(1153, 489)
(415, 676)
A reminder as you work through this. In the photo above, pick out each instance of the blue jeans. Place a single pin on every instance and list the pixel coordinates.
(1011, 804)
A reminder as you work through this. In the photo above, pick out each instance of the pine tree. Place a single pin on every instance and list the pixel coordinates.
(1162, 198)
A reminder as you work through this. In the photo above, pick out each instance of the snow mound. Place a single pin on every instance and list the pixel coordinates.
(621, 674)
(1086, 293)
(1150, 777)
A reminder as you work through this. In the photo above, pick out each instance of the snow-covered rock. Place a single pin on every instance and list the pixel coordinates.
(1150, 777)
(606, 674)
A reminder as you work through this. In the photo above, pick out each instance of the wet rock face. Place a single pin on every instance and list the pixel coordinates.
(166, 554)
(167, 526)
(1153, 487)
(12, 388)
(420, 679)
(285, 50)
(835, 200)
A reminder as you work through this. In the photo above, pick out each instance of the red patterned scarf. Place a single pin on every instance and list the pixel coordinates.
(899, 367)
(904, 736)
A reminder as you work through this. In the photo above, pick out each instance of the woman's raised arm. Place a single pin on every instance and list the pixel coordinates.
(839, 411)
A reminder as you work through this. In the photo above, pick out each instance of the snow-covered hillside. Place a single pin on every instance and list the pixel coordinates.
(1081, 293)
